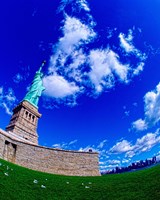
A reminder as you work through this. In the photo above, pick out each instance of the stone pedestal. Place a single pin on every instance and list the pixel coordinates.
(24, 121)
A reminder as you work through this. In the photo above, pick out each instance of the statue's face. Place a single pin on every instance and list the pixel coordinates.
(38, 74)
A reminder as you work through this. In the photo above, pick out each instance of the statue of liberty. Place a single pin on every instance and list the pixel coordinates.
(36, 88)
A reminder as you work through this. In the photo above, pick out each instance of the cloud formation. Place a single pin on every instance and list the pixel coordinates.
(58, 87)
(152, 106)
(76, 5)
(121, 147)
(95, 148)
(151, 110)
(139, 125)
(79, 65)
(65, 145)
(126, 42)
(143, 144)
(7, 99)
(105, 66)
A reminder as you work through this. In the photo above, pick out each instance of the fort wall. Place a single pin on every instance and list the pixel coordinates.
(55, 161)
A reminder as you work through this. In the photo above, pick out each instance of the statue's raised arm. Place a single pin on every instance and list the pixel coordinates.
(36, 88)
(43, 63)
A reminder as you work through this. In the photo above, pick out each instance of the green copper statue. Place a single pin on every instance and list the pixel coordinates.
(36, 88)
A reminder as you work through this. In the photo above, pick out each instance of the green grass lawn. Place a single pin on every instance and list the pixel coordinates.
(20, 183)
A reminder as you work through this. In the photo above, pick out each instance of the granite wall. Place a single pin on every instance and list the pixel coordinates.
(49, 160)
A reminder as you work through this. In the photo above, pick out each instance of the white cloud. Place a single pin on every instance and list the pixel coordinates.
(114, 162)
(139, 125)
(75, 33)
(77, 68)
(7, 99)
(57, 146)
(108, 166)
(100, 148)
(101, 144)
(126, 42)
(121, 147)
(65, 145)
(83, 4)
(151, 110)
(125, 160)
(75, 5)
(147, 142)
(102, 163)
(138, 69)
(104, 63)
(88, 148)
(57, 87)
(152, 106)
(73, 142)
(7, 109)
(9, 96)
(74, 69)
(130, 154)
(143, 144)
(63, 77)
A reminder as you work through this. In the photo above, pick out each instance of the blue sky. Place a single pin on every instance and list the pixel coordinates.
(101, 77)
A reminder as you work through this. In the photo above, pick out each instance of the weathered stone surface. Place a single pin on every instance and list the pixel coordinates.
(24, 121)
(19, 144)
(45, 159)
